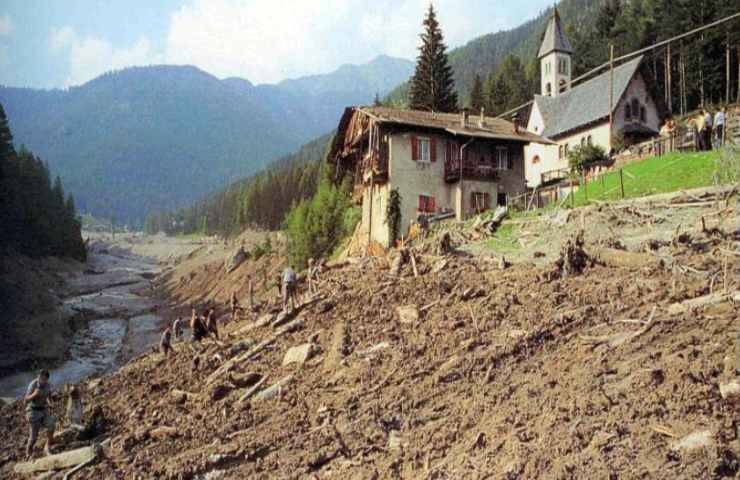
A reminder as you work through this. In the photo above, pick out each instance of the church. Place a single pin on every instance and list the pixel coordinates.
(570, 116)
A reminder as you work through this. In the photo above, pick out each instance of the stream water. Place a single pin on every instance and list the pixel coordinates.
(123, 323)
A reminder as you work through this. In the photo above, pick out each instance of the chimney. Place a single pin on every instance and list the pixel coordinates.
(464, 118)
(515, 119)
(482, 120)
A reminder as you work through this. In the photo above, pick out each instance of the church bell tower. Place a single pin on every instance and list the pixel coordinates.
(555, 58)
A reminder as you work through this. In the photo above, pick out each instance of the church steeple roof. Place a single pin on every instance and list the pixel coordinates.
(555, 39)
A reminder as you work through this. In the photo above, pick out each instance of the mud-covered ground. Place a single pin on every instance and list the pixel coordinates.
(520, 372)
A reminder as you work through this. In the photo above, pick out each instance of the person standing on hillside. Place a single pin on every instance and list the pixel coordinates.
(177, 328)
(289, 280)
(197, 327)
(37, 412)
(720, 118)
(165, 344)
(212, 323)
(698, 123)
(235, 308)
(74, 409)
(311, 277)
(707, 129)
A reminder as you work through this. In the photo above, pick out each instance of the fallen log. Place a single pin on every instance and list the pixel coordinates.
(706, 300)
(57, 461)
(227, 366)
(252, 390)
(620, 258)
(71, 473)
(274, 390)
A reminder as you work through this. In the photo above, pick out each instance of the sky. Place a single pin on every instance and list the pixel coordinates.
(63, 43)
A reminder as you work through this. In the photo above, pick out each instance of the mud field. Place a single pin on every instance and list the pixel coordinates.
(605, 360)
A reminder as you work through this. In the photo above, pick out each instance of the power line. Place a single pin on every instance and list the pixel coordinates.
(634, 54)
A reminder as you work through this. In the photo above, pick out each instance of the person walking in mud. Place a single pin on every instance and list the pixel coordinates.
(37, 412)
(74, 409)
(177, 329)
(212, 323)
(289, 280)
(197, 327)
(235, 308)
(312, 276)
(165, 344)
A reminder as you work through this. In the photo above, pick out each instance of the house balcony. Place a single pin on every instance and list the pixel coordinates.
(470, 171)
(554, 176)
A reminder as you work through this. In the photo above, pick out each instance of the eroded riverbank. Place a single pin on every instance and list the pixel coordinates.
(108, 305)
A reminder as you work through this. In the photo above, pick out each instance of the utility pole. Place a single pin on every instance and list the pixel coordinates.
(611, 95)
(669, 93)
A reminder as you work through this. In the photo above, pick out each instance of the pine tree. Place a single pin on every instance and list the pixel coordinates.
(432, 86)
(377, 102)
(476, 95)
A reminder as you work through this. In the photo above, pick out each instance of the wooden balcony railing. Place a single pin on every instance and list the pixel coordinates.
(469, 171)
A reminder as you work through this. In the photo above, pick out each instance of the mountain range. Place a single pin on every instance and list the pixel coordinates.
(159, 137)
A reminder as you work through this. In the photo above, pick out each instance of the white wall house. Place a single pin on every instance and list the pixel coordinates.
(418, 154)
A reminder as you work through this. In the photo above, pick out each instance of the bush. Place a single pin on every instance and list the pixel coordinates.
(584, 156)
(315, 227)
(264, 248)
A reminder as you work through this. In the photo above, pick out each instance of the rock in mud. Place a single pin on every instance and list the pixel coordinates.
(730, 391)
(299, 354)
(408, 314)
(695, 441)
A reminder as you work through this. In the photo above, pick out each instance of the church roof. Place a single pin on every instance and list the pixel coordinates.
(586, 103)
(555, 39)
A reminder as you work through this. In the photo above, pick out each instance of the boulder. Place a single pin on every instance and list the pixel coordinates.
(299, 354)
(730, 391)
(695, 441)
(408, 314)
(236, 259)
(395, 440)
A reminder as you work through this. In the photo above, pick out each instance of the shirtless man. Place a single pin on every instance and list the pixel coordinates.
(37, 412)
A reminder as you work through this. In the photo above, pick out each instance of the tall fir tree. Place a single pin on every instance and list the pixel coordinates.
(477, 99)
(432, 86)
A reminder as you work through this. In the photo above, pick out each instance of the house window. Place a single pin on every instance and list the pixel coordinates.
(452, 152)
(561, 151)
(642, 114)
(536, 159)
(427, 204)
(583, 141)
(548, 89)
(424, 150)
(480, 201)
(589, 140)
(502, 158)
(635, 108)
(627, 112)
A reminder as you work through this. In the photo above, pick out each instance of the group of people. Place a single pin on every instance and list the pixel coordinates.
(201, 325)
(288, 284)
(709, 129)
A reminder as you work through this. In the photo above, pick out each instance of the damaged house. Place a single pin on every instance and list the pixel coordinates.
(439, 164)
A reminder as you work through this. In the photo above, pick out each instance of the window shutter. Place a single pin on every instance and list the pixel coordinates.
(433, 148)
(421, 203)
(414, 148)
(431, 205)
(448, 151)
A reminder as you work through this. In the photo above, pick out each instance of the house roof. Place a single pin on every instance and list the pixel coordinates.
(585, 104)
(492, 128)
(555, 39)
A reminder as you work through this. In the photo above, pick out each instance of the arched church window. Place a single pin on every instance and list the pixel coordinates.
(635, 108)
(548, 89)
(642, 114)
(627, 112)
